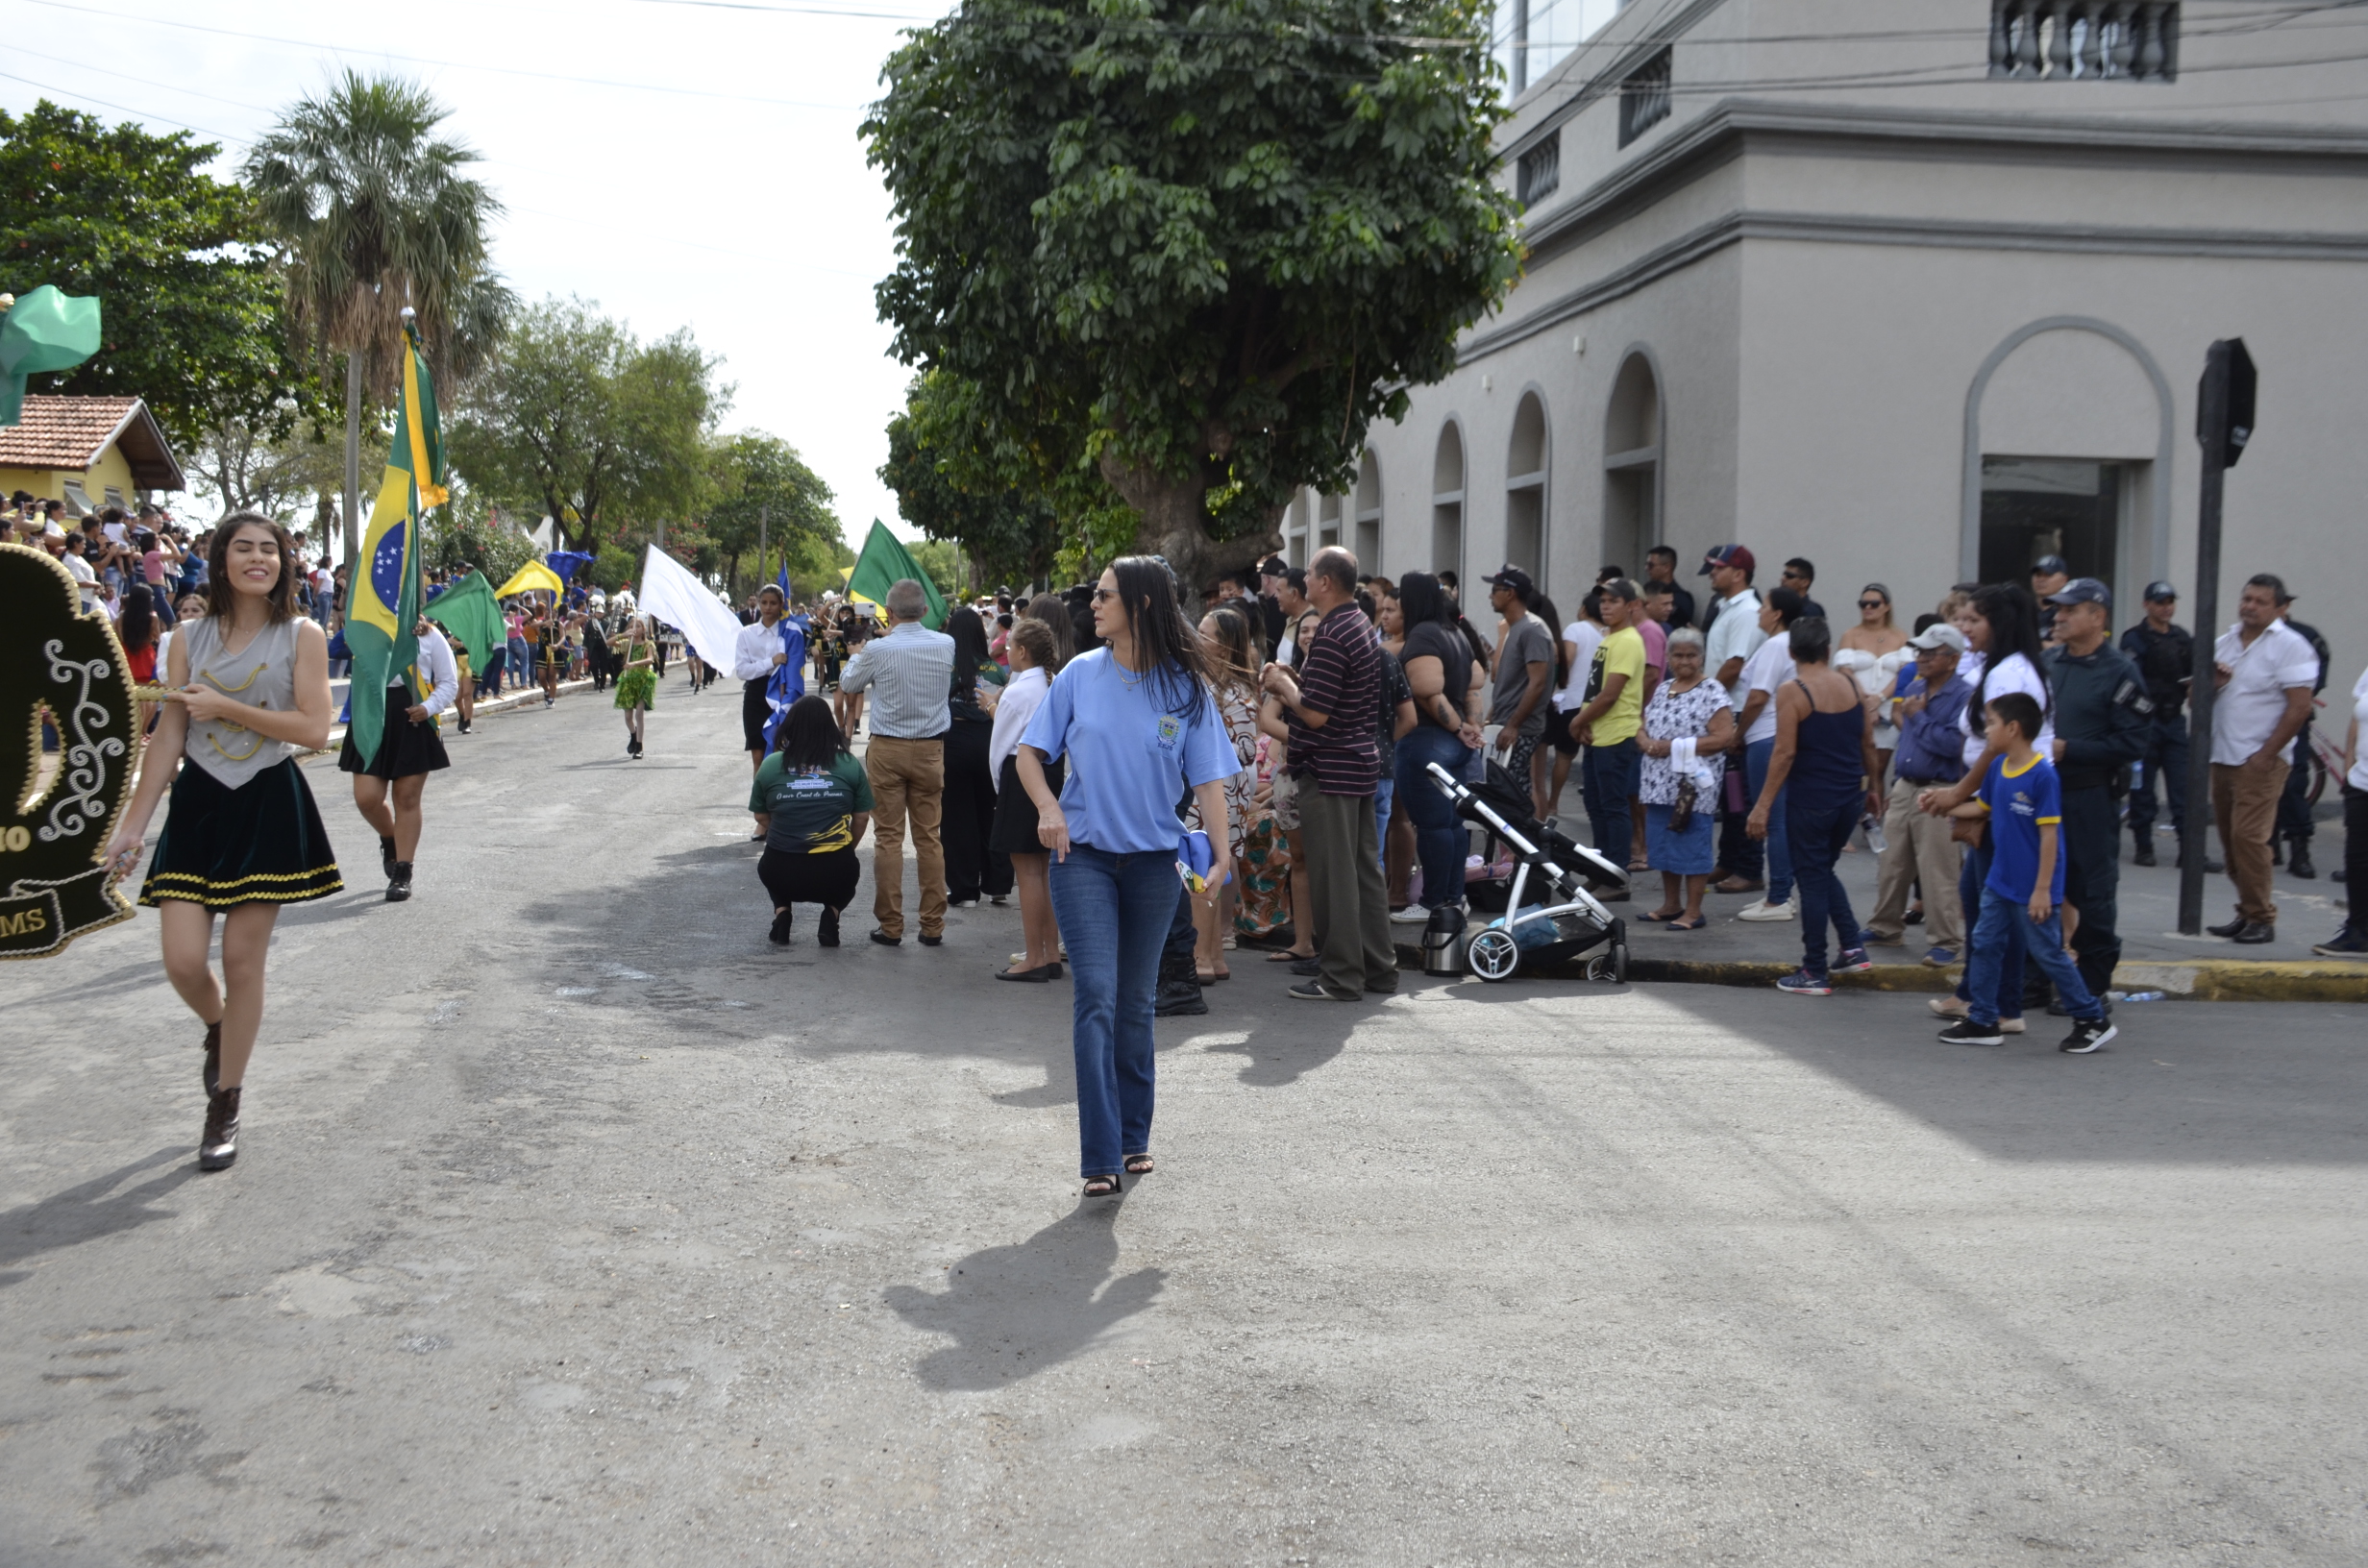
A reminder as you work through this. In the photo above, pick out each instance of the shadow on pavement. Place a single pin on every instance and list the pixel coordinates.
(1016, 1310)
(88, 1211)
(1290, 1039)
(2204, 1083)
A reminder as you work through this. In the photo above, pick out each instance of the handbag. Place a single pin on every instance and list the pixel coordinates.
(1681, 814)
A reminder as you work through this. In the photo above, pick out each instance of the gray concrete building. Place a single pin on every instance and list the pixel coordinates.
(1918, 289)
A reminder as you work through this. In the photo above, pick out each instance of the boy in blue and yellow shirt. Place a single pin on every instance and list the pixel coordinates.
(2022, 901)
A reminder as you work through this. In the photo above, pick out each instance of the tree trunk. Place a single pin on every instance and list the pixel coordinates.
(1175, 524)
(353, 460)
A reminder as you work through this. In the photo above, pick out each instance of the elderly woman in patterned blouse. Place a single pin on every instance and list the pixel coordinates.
(1687, 726)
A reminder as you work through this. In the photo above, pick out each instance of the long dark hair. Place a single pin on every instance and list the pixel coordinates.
(809, 739)
(970, 647)
(2014, 618)
(1422, 601)
(221, 599)
(1233, 659)
(1048, 609)
(1543, 609)
(1170, 649)
(139, 626)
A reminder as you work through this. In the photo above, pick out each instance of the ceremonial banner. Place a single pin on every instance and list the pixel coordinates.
(44, 332)
(884, 561)
(788, 683)
(533, 577)
(669, 592)
(470, 617)
(386, 596)
(53, 885)
(567, 563)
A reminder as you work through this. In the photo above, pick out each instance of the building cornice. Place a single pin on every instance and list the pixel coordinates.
(1854, 229)
(1735, 126)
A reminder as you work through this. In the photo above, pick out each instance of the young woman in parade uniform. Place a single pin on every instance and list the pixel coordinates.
(636, 683)
(390, 787)
(242, 836)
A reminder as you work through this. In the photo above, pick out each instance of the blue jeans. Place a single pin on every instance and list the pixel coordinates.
(2166, 759)
(1607, 783)
(1384, 789)
(2007, 995)
(2005, 927)
(1440, 839)
(1114, 912)
(1756, 757)
(1816, 833)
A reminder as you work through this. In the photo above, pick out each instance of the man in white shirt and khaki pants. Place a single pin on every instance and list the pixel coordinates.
(2264, 671)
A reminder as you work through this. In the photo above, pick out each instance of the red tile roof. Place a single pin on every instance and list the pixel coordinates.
(70, 433)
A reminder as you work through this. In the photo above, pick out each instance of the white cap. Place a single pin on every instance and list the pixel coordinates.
(1940, 634)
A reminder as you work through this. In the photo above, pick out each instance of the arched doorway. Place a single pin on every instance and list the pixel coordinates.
(1632, 476)
(1369, 513)
(1447, 502)
(1525, 498)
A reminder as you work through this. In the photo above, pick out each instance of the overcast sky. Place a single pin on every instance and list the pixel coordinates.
(683, 164)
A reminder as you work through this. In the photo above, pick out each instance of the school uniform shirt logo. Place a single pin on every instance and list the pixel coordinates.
(1170, 730)
(2021, 804)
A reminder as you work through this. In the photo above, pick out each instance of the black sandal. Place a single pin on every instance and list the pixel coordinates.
(1101, 1187)
(1140, 1164)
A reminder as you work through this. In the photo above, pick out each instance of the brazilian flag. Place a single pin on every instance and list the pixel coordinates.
(386, 594)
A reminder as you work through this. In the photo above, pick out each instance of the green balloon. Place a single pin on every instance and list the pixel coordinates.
(43, 331)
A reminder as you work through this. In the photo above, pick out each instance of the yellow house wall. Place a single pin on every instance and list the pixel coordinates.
(49, 484)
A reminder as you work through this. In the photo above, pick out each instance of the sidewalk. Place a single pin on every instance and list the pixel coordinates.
(2154, 956)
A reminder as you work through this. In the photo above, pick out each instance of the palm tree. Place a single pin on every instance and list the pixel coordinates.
(376, 213)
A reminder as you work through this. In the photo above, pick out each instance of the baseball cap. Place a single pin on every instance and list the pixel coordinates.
(1509, 575)
(2158, 591)
(2054, 566)
(2081, 591)
(1940, 634)
(1734, 556)
(1273, 566)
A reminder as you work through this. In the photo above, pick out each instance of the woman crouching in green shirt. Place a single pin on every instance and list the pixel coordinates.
(812, 804)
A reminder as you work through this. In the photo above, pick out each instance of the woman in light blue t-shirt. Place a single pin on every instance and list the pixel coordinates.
(1139, 728)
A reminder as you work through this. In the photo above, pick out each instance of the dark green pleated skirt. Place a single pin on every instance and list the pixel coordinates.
(261, 843)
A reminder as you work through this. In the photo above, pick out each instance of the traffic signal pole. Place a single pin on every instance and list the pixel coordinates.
(2224, 418)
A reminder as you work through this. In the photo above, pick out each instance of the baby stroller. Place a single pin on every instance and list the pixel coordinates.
(1567, 920)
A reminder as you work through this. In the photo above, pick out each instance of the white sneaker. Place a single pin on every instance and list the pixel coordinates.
(1411, 914)
(1765, 911)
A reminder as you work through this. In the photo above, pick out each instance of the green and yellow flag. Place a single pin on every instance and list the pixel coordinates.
(386, 592)
(469, 617)
(885, 561)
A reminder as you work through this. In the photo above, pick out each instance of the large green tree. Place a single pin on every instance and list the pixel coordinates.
(765, 496)
(577, 419)
(376, 213)
(1199, 246)
(951, 484)
(177, 259)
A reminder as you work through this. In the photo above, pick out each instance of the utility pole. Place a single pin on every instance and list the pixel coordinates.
(764, 515)
(2223, 423)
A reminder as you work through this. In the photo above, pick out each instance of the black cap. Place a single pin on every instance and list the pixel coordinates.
(2157, 591)
(1273, 566)
(2083, 591)
(1514, 578)
(2054, 566)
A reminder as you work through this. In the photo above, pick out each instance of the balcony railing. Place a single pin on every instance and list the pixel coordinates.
(1541, 170)
(2087, 41)
(1645, 97)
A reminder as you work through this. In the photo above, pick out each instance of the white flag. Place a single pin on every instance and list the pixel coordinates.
(669, 592)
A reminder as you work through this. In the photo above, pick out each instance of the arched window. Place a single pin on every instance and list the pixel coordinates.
(1525, 467)
(1632, 476)
(1447, 502)
(1369, 513)
(1327, 522)
(1294, 529)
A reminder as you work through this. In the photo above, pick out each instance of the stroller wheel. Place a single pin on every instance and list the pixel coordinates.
(1494, 955)
(1619, 963)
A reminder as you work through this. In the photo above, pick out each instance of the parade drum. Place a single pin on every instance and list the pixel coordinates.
(62, 673)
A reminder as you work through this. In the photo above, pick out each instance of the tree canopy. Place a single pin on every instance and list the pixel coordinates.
(764, 493)
(1199, 248)
(577, 419)
(950, 489)
(190, 307)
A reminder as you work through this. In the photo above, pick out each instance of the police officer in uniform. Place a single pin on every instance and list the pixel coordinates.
(2294, 806)
(2164, 654)
(2103, 719)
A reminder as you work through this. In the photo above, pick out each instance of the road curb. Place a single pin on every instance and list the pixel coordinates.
(2234, 980)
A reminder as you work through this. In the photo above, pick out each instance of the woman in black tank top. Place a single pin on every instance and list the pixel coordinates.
(1825, 751)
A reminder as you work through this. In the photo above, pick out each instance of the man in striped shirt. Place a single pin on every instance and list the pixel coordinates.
(1330, 708)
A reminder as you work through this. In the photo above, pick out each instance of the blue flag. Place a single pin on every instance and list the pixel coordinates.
(788, 683)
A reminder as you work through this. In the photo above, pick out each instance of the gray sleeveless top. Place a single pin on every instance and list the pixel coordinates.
(263, 675)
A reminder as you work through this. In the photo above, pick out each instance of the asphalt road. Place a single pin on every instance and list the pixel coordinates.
(576, 1224)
